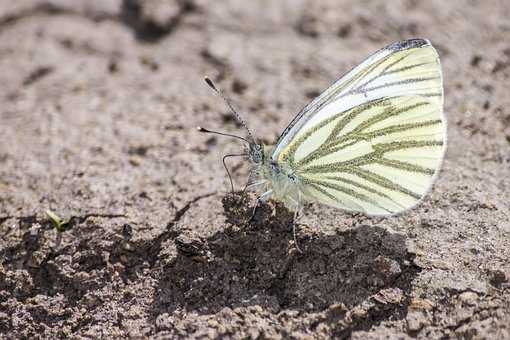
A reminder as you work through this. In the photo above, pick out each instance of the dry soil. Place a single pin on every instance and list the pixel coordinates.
(98, 106)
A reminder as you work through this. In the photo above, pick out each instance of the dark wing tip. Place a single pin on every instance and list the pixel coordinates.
(406, 44)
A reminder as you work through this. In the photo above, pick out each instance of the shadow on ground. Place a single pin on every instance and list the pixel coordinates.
(259, 265)
(366, 267)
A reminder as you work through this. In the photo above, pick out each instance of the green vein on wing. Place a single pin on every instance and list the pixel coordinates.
(347, 191)
(375, 156)
(334, 143)
(288, 154)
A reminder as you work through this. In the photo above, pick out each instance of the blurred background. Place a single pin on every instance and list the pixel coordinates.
(99, 100)
(113, 89)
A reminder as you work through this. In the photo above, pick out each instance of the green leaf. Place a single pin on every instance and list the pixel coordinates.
(57, 222)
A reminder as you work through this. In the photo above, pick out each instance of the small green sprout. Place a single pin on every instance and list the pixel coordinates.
(57, 222)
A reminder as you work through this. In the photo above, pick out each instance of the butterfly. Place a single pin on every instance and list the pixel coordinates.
(372, 142)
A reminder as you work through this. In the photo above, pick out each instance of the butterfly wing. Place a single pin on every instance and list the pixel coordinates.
(374, 140)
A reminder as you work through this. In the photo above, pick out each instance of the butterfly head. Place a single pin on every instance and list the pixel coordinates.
(253, 150)
(256, 153)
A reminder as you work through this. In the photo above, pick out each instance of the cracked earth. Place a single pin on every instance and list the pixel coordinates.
(99, 103)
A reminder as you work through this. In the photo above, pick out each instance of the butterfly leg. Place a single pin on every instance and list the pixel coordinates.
(258, 201)
(253, 212)
(254, 184)
(296, 213)
(297, 206)
(248, 181)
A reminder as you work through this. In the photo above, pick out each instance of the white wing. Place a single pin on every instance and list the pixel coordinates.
(374, 140)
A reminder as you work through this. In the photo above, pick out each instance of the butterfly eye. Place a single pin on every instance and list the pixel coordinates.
(274, 167)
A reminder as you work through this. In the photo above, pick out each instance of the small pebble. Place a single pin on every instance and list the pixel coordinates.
(469, 298)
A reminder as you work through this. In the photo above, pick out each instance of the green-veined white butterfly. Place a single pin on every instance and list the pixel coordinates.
(372, 142)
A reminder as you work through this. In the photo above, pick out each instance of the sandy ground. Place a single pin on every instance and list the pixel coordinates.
(98, 104)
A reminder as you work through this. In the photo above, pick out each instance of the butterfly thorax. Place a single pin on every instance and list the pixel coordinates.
(279, 180)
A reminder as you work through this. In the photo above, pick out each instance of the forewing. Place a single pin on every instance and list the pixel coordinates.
(413, 63)
(374, 140)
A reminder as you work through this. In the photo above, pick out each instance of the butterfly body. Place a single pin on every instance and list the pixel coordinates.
(278, 180)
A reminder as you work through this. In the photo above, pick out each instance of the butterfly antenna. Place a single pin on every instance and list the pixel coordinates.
(201, 129)
(230, 106)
